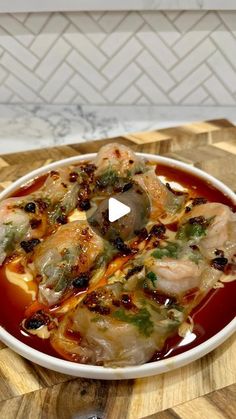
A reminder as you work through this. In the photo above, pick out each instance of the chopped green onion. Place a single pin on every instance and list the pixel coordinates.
(141, 320)
(152, 276)
(170, 250)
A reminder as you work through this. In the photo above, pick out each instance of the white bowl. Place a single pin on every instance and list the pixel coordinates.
(91, 371)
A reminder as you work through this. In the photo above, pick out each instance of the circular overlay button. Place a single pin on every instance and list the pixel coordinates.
(122, 214)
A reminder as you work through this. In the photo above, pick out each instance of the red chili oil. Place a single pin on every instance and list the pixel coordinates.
(31, 187)
(196, 185)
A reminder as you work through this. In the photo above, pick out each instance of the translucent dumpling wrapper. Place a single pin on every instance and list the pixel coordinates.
(113, 328)
(72, 250)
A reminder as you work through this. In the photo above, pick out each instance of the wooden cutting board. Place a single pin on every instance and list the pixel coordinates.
(203, 389)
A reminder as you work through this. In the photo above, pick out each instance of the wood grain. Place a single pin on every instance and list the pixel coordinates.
(205, 388)
(219, 404)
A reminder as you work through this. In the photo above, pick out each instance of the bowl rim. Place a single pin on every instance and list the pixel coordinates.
(108, 373)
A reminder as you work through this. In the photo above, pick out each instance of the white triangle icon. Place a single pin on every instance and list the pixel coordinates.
(116, 209)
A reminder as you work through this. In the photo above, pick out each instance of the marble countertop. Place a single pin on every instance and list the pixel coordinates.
(25, 127)
(15, 6)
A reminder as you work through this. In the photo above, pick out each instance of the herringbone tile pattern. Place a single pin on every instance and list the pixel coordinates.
(119, 58)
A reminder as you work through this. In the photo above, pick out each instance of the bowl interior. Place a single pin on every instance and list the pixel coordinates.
(221, 333)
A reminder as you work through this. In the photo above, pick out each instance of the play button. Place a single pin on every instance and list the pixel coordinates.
(116, 209)
(122, 214)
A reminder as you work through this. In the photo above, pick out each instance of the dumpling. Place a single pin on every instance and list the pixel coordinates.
(63, 256)
(114, 328)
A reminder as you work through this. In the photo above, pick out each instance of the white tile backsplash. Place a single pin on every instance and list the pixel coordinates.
(103, 5)
(119, 58)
